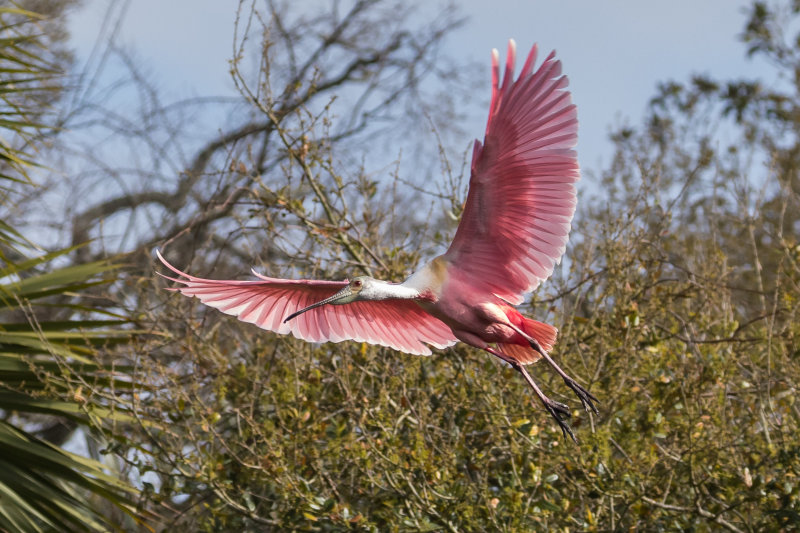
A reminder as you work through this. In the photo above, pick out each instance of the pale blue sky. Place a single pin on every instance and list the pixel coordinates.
(614, 51)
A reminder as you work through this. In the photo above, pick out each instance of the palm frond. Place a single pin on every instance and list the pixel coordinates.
(55, 368)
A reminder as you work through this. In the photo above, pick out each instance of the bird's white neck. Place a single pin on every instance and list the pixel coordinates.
(383, 290)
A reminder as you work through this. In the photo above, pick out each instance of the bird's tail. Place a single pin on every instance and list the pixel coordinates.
(544, 334)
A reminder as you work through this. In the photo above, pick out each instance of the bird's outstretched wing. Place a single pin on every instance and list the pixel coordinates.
(522, 195)
(398, 324)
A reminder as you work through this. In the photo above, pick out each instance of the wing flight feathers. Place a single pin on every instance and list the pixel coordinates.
(522, 195)
(398, 324)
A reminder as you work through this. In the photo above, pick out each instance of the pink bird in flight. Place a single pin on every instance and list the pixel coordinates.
(513, 231)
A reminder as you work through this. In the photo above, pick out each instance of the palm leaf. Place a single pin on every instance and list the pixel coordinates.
(55, 368)
(54, 341)
(25, 74)
(44, 487)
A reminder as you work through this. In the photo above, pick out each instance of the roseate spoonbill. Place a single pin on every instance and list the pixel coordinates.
(513, 231)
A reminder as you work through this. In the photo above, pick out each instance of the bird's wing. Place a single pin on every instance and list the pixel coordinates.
(398, 324)
(522, 195)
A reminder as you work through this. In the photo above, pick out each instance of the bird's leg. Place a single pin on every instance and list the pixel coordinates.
(558, 411)
(586, 397)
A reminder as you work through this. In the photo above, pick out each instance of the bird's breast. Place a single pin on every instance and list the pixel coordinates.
(429, 279)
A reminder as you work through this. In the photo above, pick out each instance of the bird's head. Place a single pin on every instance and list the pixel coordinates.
(359, 288)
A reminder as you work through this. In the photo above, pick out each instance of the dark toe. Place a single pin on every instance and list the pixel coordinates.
(586, 397)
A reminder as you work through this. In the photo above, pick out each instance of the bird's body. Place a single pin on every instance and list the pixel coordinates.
(476, 318)
(513, 231)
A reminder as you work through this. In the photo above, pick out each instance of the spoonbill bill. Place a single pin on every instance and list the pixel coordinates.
(513, 231)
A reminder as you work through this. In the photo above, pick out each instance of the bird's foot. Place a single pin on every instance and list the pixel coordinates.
(557, 409)
(586, 397)
(560, 413)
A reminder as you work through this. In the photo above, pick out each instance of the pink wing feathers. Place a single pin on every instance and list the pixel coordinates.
(521, 192)
(398, 324)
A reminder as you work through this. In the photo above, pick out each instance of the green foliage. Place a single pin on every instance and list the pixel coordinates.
(698, 427)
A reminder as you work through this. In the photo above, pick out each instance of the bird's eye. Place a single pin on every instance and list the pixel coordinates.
(357, 283)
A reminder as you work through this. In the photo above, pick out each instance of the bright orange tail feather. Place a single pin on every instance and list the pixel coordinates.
(544, 334)
(524, 354)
